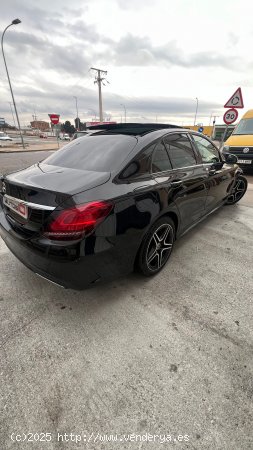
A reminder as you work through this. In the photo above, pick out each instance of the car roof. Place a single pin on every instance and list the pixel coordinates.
(145, 133)
(134, 129)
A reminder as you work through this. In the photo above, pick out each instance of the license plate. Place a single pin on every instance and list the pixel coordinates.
(16, 205)
(244, 161)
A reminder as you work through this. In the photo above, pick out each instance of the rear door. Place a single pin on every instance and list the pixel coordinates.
(176, 167)
(220, 175)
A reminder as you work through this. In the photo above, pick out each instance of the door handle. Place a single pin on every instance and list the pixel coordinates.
(211, 171)
(176, 183)
(140, 188)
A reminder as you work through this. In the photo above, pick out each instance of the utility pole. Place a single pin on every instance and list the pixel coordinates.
(213, 130)
(196, 112)
(77, 115)
(99, 80)
(124, 110)
(35, 116)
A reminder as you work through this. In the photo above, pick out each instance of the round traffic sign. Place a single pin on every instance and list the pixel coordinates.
(54, 118)
(230, 116)
(201, 129)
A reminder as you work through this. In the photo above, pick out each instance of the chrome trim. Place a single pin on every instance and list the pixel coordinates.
(177, 169)
(30, 204)
(50, 281)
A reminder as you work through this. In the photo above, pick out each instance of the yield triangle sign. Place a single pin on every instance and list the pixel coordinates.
(236, 100)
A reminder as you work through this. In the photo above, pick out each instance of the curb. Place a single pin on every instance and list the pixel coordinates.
(28, 151)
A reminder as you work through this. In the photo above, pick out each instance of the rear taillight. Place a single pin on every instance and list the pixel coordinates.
(72, 223)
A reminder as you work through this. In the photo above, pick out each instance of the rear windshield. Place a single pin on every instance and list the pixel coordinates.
(102, 153)
(245, 126)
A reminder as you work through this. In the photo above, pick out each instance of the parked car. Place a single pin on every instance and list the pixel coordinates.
(114, 201)
(43, 135)
(240, 142)
(64, 137)
(78, 134)
(4, 137)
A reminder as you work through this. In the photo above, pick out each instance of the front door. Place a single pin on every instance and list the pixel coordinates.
(184, 180)
(219, 179)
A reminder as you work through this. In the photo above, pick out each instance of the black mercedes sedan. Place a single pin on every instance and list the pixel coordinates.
(115, 201)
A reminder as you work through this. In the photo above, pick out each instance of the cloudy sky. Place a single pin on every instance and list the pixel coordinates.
(159, 54)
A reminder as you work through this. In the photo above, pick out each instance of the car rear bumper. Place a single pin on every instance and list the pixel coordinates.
(79, 273)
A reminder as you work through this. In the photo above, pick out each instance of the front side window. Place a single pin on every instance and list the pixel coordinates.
(161, 161)
(207, 150)
(180, 150)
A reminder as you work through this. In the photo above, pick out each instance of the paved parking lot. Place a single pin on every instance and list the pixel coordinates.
(170, 355)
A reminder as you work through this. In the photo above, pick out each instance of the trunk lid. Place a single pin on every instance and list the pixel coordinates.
(40, 189)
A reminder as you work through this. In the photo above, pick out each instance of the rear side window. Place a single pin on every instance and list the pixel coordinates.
(180, 150)
(102, 153)
(207, 150)
(161, 160)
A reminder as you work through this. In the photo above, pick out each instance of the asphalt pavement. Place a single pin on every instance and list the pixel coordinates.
(31, 144)
(10, 162)
(165, 356)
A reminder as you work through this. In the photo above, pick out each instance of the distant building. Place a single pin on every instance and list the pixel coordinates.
(40, 124)
(215, 133)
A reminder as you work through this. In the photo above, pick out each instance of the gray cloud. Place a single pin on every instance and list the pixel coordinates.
(138, 51)
(163, 106)
(134, 4)
(41, 45)
(137, 108)
(54, 38)
(30, 15)
(86, 33)
(233, 39)
(41, 51)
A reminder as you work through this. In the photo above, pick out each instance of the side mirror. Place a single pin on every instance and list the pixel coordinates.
(217, 165)
(230, 158)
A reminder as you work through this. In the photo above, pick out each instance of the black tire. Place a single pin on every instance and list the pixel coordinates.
(156, 247)
(238, 191)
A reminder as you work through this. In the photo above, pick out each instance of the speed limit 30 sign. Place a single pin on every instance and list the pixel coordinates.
(230, 116)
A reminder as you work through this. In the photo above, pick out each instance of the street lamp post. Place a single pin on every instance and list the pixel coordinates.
(77, 115)
(196, 112)
(12, 114)
(124, 109)
(210, 118)
(214, 130)
(14, 22)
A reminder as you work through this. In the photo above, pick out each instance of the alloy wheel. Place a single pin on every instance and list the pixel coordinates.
(159, 247)
(238, 191)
